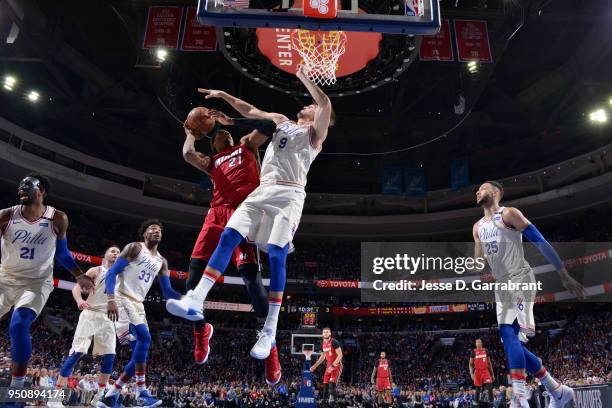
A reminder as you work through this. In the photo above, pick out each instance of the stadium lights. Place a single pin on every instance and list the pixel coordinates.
(598, 116)
(610, 101)
(33, 96)
(9, 82)
(472, 67)
(161, 54)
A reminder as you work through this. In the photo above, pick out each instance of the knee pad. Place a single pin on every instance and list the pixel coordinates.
(512, 346)
(230, 238)
(143, 342)
(19, 330)
(69, 364)
(255, 289)
(277, 257)
(107, 363)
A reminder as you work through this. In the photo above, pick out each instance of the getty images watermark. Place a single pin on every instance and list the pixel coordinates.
(455, 272)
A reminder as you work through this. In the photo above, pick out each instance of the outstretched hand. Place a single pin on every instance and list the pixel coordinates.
(572, 284)
(211, 93)
(220, 117)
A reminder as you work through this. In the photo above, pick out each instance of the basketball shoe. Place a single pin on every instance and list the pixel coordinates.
(273, 367)
(566, 394)
(261, 349)
(201, 348)
(187, 307)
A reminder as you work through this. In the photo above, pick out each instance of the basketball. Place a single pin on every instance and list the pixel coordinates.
(199, 122)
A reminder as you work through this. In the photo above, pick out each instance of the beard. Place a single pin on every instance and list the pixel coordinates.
(486, 199)
(28, 200)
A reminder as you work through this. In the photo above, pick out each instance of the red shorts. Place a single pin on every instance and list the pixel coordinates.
(382, 384)
(482, 377)
(208, 239)
(332, 374)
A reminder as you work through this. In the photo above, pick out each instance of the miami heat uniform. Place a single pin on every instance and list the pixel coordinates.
(94, 323)
(26, 268)
(235, 175)
(383, 380)
(503, 250)
(133, 284)
(481, 367)
(271, 213)
(332, 374)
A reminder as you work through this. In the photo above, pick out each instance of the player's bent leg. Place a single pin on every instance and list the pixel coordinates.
(251, 275)
(21, 343)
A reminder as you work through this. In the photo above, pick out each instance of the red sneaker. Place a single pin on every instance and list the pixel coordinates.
(273, 367)
(201, 348)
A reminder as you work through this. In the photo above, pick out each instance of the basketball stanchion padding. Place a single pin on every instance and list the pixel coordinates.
(321, 8)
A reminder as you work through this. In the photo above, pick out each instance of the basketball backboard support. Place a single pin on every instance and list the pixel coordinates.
(240, 13)
(301, 342)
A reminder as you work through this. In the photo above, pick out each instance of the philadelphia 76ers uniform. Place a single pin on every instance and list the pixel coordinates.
(94, 322)
(235, 175)
(503, 250)
(133, 284)
(271, 213)
(26, 268)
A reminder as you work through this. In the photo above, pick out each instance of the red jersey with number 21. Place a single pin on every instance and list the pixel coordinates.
(235, 175)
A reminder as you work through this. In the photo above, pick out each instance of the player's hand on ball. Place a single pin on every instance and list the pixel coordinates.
(572, 284)
(86, 283)
(211, 93)
(82, 305)
(113, 310)
(220, 117)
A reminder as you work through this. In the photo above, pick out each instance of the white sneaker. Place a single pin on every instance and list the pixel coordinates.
(261, 349)
(519, 402)
(187, 307)
(55, 404)
(567, 395)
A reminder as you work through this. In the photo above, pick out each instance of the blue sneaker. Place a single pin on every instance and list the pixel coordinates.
(146, 400)
(109, 402)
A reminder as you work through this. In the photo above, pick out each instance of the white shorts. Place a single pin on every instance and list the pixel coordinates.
(96, 325)
(130, 311)
(32, 294)
(269, 215)
(518, 306)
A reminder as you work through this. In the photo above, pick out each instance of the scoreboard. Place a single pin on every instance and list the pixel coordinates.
(309, 320)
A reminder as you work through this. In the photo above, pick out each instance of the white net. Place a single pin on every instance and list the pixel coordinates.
(320, 51)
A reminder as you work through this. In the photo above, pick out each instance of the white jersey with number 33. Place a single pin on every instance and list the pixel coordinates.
(289, 155)
(28, 247)
(137, 278)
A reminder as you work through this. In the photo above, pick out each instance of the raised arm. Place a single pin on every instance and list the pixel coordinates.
(264, 128)
(514, 218)
(245, 109)
(323, 111)
(198, 160)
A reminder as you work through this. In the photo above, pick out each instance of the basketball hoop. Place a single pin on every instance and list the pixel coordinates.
(320, 51)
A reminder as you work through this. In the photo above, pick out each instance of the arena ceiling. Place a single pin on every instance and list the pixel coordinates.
(104, 95)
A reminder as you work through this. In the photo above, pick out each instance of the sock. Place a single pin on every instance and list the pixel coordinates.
(518, 389)
(204, 286)
(101, 388)
(17, 380)
(547, 380)
(274, 305)
(117, 387)
(140, 381)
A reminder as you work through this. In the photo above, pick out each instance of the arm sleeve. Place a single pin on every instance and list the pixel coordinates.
(533, 235)
(111, 275)
(63, 255)
(264, 126)
(167, 290)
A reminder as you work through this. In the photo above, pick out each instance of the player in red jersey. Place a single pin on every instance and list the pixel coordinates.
(481, 371)
(381, 376)
(234, 170)
(332, 354)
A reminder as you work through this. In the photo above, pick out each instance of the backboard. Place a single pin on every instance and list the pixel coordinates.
(418, 17)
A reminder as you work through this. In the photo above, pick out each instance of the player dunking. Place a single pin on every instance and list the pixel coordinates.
(382, 377)
(33, 235)
(481, 371)
(332, 355)
(133, 273)
(498, 236)
(234, 170)
(93, 324)
(271, 213)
